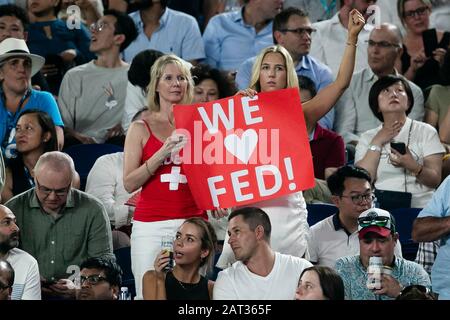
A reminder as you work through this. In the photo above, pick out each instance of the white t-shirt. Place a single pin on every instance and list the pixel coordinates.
(27, 282)
(424, 141)
(330, 241)
(239, 283)
(105, 182)
(290, 229)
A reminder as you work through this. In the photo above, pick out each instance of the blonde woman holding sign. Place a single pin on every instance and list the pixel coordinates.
(166, 200)
(274, 70)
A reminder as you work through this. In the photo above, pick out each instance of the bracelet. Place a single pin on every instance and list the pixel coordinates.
(419, 171)
(352, 44)
(447, 156)
(148, 170)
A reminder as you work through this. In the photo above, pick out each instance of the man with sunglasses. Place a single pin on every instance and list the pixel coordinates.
(377, 238)
(292, 29)
(337, 236)
(92, 95)
(100, 279)
(353, 114)
(61, 226)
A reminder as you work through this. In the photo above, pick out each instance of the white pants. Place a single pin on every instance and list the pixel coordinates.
(145, 246)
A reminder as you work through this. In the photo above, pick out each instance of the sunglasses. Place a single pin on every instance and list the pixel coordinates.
(374, 221)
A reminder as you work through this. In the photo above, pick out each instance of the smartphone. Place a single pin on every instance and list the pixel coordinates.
(430, 42)
(399, 146)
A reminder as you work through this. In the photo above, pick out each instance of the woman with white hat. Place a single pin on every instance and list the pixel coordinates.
(17, 66)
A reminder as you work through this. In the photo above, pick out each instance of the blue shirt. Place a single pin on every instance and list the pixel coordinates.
(229, 41)
(62, 39)
(309, 67)
(354, 276)
(40, 100)
(439, 207)
(178, 33)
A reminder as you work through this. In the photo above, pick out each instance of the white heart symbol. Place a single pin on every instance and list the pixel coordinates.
(243, 147)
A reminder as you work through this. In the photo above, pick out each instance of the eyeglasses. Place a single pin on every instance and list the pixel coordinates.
(92, 279)
(359, 198)
(413, 13)
(97, 26)
(381, 44)
(369, 220)
(300, 31)
(58, 192)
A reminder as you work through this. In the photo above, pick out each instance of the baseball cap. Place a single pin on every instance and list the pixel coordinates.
(376, 220)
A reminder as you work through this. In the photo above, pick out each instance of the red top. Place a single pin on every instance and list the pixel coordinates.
(166, 194)
(327, 149)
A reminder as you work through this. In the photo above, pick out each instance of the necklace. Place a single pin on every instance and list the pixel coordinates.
(187, 286)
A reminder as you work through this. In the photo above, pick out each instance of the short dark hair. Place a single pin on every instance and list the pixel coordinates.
(254, 217)
(383, 83)
(330, 281)
(281, 19)
(203, 71)
(139, 72)
(113, 272)
(306, 83)
(336, 181)
(47, 125)
(416, 292)
(12, 10)
(6, 267)
(124, 25)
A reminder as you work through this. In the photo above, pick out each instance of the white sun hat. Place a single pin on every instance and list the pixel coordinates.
(12, 47)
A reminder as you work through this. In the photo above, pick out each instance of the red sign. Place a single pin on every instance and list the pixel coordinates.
(241, 150)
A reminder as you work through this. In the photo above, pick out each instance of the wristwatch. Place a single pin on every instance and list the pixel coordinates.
(374, 147)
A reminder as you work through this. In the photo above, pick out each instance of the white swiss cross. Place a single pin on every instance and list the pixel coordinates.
(174, 178)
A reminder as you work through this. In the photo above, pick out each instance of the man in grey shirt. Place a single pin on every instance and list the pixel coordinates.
(61, 226)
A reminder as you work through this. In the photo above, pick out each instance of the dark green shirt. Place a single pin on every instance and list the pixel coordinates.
(82, 230)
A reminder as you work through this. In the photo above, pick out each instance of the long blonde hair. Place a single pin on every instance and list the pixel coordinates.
(291, 81)
(155, 75)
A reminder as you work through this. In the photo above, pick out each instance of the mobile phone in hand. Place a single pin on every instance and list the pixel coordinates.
(430, 42)
(400, 147)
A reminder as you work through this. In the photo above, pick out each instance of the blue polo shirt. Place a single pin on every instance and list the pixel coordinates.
(439, 207)
(178, 33)
(229, 41)
(309, 67)
(40, 100)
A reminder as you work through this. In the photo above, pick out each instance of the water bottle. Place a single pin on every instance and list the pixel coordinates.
(374, 272)
(124, 294)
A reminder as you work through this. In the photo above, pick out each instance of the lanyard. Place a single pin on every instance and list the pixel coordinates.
(12, 118)
(28, 176)
(328, 7)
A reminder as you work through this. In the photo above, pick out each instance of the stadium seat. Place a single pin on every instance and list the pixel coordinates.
(319, 211)
(404, 219)
(123, 258)
(84, 156)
